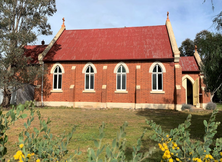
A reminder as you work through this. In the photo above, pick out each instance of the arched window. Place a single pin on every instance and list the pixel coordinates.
(89, 78)
(157, 78)
(121, 78)
(57, 78)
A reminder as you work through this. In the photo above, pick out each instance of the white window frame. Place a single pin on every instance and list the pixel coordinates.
(57, 73)
(156, 73)
(121, 76)
(90, 73)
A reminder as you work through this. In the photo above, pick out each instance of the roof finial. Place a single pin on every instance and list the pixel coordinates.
(63, 24)
(168, 16)
(195, 48)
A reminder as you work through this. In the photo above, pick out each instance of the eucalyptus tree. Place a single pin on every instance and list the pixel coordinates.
(21, 21)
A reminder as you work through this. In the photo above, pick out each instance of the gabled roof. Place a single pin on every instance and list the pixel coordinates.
(33, 52)
(189, 63)
(129, 43)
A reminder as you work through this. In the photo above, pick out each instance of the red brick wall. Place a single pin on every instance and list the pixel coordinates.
(108, 77)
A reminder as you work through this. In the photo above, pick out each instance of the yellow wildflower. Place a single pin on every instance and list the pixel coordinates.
(174, 144)
(21, 145)
(210, 156)
(177, 159)
(204, 150)
(38, 160)
(29, 155)
(167, 136)
(170, 160)
(220, 153)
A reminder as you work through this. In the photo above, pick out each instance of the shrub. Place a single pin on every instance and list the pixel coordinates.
(37, 145)
(177, 145)
(211, 106)
(116, 151)
(186, 107)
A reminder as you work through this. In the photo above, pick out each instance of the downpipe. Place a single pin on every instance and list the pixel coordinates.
(42, 102)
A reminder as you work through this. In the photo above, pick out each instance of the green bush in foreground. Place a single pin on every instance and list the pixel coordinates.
(40, 145)
(177, 145)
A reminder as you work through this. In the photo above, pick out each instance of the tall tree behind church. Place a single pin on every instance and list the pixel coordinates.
(21, 21)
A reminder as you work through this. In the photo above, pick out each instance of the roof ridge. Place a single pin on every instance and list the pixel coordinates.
(116, 28)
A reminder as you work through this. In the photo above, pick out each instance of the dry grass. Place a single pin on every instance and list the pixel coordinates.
(88, 121)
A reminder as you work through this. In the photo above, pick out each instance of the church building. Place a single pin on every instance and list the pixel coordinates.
(129, 67)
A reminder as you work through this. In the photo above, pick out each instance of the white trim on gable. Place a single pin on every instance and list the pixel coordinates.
(54, 66)
(92, 65)
(160, 64)
(118, 65)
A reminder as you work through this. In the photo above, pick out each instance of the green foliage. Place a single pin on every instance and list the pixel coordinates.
(20, 24)
(187, 48)
(116, 151)
(6, 120)
(178, 145)
(39, 142)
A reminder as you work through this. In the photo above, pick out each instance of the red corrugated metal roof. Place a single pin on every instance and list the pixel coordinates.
(129, 43)
(189, 63)
(34, 51)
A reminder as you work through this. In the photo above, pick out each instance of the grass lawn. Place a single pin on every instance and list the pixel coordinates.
(219, 106)
(88, 122)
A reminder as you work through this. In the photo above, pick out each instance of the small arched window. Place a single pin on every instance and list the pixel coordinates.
(121, 78)
(89, 78)
(57, 78)
(157, 78)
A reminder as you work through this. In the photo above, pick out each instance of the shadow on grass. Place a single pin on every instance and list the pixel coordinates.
(170, 119)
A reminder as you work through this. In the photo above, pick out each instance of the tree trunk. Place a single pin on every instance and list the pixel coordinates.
(6, 98)
(211, 97)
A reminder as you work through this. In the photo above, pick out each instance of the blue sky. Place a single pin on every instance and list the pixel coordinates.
(187, 17)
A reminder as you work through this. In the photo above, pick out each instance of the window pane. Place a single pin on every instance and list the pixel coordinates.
(160, 82)
(92, 71)
(159, 69)
(154, 82)
(123, 69)
(154, 70)
(119, 70)
(92, 81)
(60, 82)
(60, 70)
(87, 81)
(118, 81)
(55, 82)
(56, 69)
(87, 70)
(123, 81)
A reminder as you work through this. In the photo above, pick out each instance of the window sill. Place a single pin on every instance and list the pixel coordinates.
(88, 91)
(121, 91)
(56, 91)
(157, 92)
